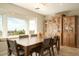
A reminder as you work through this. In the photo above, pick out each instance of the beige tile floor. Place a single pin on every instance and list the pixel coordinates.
(64, 51)
(69, 51)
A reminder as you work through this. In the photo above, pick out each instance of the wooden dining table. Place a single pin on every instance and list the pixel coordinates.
(29, 43)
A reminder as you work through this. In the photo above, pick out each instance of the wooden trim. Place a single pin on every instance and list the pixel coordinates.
(76, 29)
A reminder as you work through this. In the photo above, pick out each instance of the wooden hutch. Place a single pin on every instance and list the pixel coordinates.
(64, 26)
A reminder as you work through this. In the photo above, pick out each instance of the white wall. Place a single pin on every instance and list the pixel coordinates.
(40, 24)
(19, 12)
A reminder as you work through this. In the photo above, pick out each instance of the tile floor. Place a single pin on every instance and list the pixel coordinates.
(64, 51)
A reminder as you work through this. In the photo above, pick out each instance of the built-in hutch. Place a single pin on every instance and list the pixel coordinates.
(63, 26)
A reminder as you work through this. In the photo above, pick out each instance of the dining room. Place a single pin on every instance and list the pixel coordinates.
(39, 29)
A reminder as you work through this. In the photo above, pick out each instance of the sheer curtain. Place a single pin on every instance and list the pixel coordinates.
(32, 27)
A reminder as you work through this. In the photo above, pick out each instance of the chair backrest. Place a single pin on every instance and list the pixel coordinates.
(33, 38)
(51, 41)
(23, 36)
(12, 46)
(34, 35)
(46, 42)
(56, 38)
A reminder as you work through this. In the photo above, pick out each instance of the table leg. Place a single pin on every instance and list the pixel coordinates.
(26, 49)
(58, 45)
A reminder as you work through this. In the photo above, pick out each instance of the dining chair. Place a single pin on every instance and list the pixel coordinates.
(55, 43)
(51, 45)
(23, 36)
(45, 46)
(14, 49)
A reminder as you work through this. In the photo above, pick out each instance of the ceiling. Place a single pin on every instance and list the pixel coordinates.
(49, 8)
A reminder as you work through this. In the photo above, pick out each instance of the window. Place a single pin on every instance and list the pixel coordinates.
(0, 26)
(16, 26)
(32, 27)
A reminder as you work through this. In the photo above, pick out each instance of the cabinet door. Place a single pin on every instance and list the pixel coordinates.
(69, 31)
(72, 31)
(65, 32)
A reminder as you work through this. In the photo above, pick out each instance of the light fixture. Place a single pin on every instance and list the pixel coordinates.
(37, 8)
